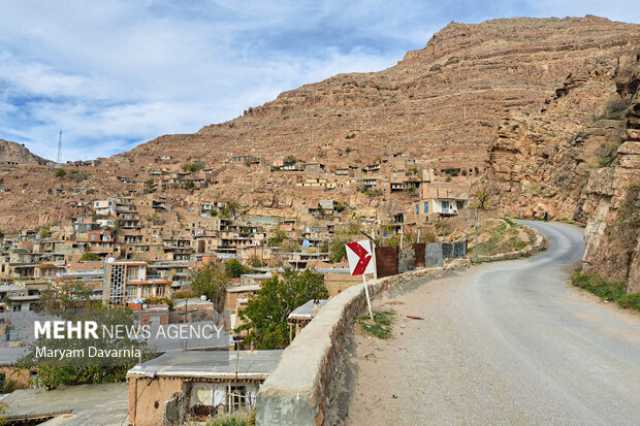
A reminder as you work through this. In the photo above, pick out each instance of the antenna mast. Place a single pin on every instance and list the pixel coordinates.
(60, 147)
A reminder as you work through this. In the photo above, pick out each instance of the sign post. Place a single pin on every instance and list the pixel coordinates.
(362, 261)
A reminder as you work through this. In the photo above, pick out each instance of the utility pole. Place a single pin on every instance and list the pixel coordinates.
(60, 147)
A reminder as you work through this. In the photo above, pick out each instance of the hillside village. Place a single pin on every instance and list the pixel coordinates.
(171, 235)
(142, 248)
(489, 121)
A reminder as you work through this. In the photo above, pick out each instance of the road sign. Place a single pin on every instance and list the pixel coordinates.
(361, 258)
(362, 261)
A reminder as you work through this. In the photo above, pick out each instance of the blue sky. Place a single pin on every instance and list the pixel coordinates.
(114, 73)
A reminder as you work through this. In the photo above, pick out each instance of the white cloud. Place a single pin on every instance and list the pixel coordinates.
(117, 72)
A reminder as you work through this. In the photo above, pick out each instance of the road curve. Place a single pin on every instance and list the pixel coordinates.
(506, 343)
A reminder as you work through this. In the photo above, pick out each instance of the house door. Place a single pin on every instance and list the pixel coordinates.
(445, 207)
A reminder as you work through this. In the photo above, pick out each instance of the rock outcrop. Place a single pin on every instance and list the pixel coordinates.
(612, 195)
(11, 152)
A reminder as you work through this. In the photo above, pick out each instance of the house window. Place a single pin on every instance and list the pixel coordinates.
(237, 398)
(417, 209)
(426, 207)
(160, 291)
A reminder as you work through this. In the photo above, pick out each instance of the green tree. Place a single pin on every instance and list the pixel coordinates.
(266, 313)
(64, 297)
(149, 186)
(60, 173)
(256, 262)
(290, 245)
(45, 232)
(483, 192)
(89, 257)
(230, 209)
(277, 238)
(234, 268)
(193, 167)
(337, 250)
(3, 410)
(80, 367)
(211, 281)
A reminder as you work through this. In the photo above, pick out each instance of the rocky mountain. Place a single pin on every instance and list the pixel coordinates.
(578, 158)
(11, 152)
(611, 198)
(535, 105)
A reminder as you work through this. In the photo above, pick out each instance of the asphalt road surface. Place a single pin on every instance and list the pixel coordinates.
(507, 343)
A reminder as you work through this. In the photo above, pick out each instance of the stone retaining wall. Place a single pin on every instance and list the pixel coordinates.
(298, 391)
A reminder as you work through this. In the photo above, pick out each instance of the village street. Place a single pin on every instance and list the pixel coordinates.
(502, 343)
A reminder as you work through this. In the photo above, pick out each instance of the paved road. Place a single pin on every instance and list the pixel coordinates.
(504, 343)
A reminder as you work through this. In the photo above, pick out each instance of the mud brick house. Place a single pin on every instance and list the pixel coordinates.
(441, 199)
(197, 385)
(236, 299)
(105, 207)
(193, 310)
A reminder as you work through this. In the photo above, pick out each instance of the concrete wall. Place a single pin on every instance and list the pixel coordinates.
(298, 392)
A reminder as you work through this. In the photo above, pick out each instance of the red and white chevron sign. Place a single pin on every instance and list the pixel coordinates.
(360, 257)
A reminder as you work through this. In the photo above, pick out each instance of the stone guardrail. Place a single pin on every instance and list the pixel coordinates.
(298, 392)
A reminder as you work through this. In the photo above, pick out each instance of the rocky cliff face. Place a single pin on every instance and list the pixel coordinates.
(612, 194)
(16, 153)
(578, 158)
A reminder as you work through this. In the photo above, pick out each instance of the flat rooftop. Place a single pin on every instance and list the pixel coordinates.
(10, 355)
(211, 365)
(104, 405)
(308, 310)
(243, 288)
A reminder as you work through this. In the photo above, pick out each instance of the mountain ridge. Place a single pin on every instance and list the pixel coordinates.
(517, 99)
